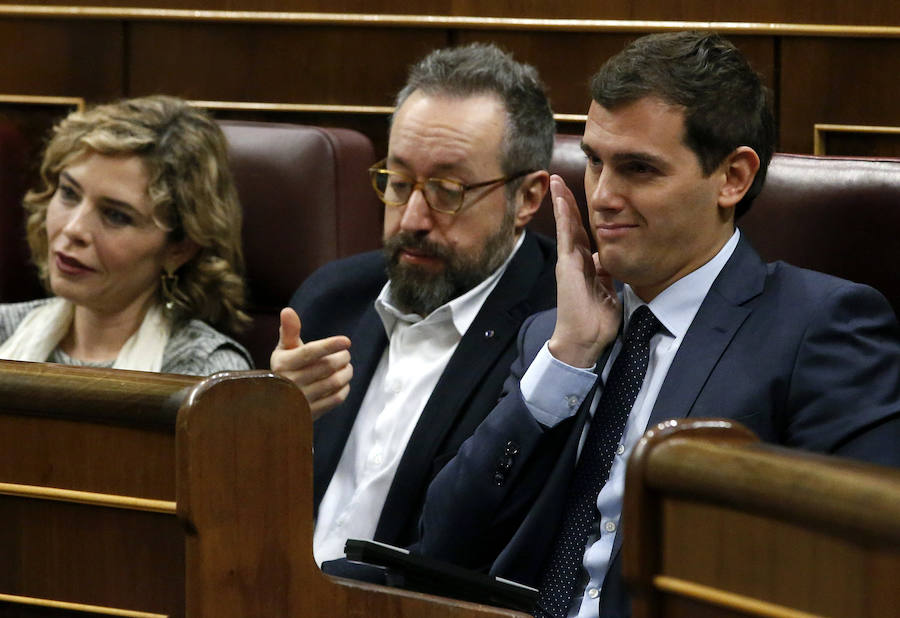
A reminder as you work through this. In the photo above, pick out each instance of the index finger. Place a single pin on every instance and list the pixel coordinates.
(569, 229)
(559, 188)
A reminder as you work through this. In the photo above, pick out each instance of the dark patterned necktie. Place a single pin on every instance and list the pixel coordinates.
(622, 385)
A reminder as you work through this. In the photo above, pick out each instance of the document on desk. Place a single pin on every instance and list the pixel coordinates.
(424, 574)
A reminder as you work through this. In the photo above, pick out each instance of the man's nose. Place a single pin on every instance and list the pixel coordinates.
(604, 192)
(416, 214)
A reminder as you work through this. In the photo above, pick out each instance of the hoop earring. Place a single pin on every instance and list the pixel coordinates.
(168, 281)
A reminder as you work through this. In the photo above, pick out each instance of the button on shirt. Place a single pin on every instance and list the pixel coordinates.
(410, 367)
(549, 388)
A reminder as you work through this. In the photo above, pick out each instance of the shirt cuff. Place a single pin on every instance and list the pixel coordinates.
(552, 390)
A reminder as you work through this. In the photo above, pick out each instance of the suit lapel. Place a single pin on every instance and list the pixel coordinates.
(493, 330)
(369, 341)
(720, 316)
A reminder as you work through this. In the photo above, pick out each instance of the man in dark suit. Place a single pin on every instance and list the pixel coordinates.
(677, 139)
(433, 317)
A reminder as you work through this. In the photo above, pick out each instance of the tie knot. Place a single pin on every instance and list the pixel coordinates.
(643, 325)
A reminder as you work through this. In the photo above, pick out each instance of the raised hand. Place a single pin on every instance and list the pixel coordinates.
(588, 310)
(320, 368)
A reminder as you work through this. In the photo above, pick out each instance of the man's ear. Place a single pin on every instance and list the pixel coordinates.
(529, 196)
(739, 170)
(179, 253)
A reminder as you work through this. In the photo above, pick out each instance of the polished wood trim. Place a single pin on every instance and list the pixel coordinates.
(48, 389)
(721, 598)
(77, 102)
(78, 607)
(570, 117)
(86, 497)
(315, 108)
(321, 108)
(445, 21)
(820, 130)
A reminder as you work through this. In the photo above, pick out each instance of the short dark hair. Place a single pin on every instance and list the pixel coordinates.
(725, 103)
(480, 68)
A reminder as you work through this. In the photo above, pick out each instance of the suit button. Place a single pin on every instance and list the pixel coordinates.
(499, 479)
(511, 448)
(505, 464)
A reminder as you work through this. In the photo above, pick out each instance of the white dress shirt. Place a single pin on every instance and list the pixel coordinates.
(554, 391)
(410, 367)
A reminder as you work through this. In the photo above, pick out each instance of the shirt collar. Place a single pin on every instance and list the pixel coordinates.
(676, 306)
(461, 310)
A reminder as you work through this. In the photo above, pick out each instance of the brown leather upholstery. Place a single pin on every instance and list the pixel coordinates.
(838, 215)
(307, 200)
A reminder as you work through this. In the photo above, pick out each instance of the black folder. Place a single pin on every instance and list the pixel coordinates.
(420, 573)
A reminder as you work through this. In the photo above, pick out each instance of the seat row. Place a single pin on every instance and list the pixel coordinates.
(307, 200)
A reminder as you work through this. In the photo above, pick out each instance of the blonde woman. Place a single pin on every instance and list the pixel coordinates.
(135, 229)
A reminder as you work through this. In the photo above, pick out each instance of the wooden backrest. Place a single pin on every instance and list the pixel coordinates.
(161, 495)
(720, 524)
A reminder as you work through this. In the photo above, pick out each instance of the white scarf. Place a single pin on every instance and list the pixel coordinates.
(45, 326)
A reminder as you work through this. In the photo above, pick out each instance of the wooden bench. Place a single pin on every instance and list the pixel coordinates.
(718, 524)
(138, 494)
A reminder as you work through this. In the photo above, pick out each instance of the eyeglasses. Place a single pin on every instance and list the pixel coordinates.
(441, 194)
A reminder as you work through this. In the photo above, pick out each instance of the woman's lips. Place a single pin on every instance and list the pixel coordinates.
(70, 266)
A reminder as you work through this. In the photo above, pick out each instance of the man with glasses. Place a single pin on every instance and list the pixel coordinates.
(433, 317)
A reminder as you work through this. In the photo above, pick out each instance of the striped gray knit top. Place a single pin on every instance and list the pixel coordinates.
(194, 348)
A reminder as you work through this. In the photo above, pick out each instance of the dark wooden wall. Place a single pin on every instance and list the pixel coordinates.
(827, 61)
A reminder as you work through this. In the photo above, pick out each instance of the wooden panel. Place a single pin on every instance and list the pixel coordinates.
(875, 12)
(836, 81)
(769, 560)
(362, 66)
(46, 539)
(79, 456)
(856, 140)
(566, 61)
(863, 144)
(62, 58)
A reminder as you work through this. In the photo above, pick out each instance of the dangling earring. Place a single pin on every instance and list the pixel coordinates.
(169, 282)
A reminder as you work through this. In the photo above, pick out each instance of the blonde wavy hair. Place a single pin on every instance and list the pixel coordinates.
(190, 185)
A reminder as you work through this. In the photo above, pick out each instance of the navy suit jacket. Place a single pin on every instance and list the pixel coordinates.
(803, 359)
(339, 299)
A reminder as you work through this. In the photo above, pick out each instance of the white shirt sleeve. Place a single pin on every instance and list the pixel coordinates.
(552, 390)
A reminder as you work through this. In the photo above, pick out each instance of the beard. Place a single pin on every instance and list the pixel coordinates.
(420, 290)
